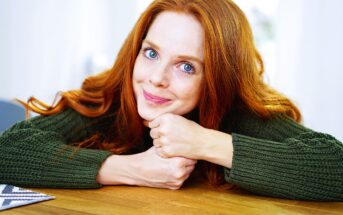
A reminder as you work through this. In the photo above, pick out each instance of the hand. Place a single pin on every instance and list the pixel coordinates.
(174, 135)
(151, 170)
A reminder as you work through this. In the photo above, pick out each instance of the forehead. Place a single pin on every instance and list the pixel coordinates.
(177, 32)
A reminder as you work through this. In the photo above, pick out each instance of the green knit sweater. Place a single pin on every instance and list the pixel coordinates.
(275, 157)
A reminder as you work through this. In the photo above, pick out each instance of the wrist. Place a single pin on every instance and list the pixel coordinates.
(218, 148)
(115, 170)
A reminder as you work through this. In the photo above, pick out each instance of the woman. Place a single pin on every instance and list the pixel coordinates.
(186, 86)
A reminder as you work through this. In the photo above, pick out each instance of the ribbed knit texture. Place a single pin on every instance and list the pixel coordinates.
(295, 162)
(275, 157)
(35, 153)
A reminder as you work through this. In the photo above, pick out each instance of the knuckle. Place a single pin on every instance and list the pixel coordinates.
(162, 130)
(167, 151)
(151, 132)
(180, 162)
(179, 174)
(162, 153)
(178, 184)
(156, 143)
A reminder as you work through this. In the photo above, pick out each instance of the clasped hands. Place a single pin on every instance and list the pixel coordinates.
(178, 144)
(177, 137)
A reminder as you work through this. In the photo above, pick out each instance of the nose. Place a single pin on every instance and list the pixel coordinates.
(159, 77)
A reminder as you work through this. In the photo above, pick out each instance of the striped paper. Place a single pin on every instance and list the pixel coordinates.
(12, 196)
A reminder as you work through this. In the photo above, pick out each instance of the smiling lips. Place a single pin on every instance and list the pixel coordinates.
(154, 99)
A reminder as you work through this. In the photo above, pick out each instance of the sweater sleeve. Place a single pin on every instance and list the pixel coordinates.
(281, 158)
(37, 153)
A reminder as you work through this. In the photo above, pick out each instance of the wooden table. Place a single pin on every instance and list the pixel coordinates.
(193, 198)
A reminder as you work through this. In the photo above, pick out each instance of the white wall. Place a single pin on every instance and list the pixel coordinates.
(309, 69)
(51, 45)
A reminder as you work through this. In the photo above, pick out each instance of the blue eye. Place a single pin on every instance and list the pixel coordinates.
(188, 68)
(150, 53)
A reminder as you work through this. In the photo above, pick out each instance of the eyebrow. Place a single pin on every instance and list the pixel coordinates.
(180, 56)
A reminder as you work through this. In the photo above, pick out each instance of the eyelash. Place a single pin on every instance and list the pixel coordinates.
(151, 49)
(147, 49)
(193, 68)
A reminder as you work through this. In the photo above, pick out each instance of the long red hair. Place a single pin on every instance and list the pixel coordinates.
(233, 70)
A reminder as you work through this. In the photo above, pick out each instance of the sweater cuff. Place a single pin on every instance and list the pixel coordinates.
(75, 168)
(253, 167)
(65, 167)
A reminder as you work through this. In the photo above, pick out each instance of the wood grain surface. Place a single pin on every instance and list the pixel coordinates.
(192, 198)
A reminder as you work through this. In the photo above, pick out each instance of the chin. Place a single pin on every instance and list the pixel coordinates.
(147, 115)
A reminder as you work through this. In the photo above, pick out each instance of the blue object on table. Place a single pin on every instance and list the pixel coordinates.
(10, 113)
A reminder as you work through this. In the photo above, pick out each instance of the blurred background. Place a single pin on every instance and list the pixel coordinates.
(48, 46)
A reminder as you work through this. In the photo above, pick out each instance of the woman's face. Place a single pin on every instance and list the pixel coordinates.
(168, 71)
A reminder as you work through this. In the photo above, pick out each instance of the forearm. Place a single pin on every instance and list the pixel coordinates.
(218, 148)
(34, 157)
(304, 167)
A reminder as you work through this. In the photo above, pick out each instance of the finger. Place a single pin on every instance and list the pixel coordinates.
(189, 169)
(175, 185)
(189, 162)
(154, 123)
(154, 133)
(157, 143)
(159, 152)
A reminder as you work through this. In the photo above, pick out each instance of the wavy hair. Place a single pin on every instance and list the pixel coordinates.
(233, 69)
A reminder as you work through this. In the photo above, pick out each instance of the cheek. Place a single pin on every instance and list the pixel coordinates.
(139, 71)
(193, 97)
(188, 92)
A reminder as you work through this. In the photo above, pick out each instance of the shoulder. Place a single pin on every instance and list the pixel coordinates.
(247, 122)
